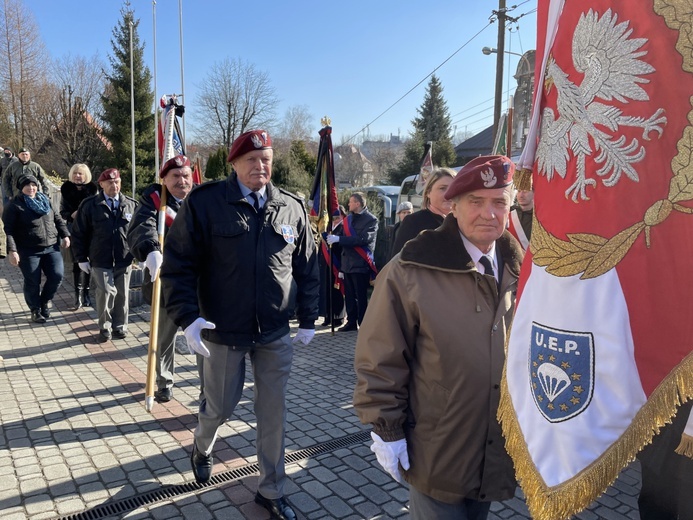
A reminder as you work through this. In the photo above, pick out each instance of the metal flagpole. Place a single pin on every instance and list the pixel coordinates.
(182, 74)
(156, 99)
(132, 111)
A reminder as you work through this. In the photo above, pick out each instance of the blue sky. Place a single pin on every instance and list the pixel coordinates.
(348, 60)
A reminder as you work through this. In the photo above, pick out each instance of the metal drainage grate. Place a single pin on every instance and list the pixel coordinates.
(125, 505)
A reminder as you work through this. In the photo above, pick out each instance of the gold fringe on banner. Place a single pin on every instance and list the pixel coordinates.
(523, 179)
(686, 446)
(574, 495)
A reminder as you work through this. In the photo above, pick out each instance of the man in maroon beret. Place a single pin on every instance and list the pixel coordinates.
(143, 240)
(100, 249)
(235, 256)
(429, 365)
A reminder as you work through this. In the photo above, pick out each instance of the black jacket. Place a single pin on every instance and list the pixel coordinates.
(411, 226)
(365, 231)
(142, 235)
(71, 197)
(227, 264)
(98, 235)
(26, 230)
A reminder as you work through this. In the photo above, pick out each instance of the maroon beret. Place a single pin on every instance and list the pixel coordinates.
(179, 161)
(248, 142)
(109, 174)
(482, 173)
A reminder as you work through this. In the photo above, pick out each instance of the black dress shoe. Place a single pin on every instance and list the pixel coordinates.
(325, 323)
(163, 395)
(45, 312)
(104, 336)
(338, 323)
(201, 465)
(119, 334)
(349, 327)
(36, 317)
(279, 508)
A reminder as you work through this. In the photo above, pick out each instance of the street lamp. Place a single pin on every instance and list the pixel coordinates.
(523, 57)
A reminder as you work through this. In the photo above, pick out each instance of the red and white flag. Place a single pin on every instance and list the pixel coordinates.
(599, 356)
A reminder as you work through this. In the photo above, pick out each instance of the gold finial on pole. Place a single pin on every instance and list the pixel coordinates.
(325, 121)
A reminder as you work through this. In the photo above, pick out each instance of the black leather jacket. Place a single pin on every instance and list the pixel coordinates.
(228, 264)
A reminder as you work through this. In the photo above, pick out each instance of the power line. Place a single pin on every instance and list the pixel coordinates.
(419, 83)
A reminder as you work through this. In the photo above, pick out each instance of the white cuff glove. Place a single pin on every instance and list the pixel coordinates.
(303, 336)
(390, 455)
(193, 337)
(340, 275)
(332, 239)
(153, 263)
(85, 266)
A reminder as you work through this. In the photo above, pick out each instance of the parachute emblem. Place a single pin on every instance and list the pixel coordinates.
(561, 371)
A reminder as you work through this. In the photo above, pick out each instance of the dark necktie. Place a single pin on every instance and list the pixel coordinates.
(111, 204)
(256, 200)
(488, 267)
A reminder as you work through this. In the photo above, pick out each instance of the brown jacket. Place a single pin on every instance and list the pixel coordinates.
(429, 358)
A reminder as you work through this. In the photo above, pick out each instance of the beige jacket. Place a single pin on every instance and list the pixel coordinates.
(429, 358)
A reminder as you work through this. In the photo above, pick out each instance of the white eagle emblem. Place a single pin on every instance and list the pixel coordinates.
(259, 140)
(609, 60)
(489, 178)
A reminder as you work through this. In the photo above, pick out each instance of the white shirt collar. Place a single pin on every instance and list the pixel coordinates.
(476, 255)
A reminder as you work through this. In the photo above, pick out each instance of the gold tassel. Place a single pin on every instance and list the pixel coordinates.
(686, 446)
(523, 179)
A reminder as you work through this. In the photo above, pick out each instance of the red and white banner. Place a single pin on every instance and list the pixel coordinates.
(599, 356)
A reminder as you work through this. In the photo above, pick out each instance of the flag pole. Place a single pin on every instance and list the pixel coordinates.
(182, 74)
(509, 131)
(156, 100)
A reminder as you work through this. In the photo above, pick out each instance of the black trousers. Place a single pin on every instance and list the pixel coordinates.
(667, 477)
(356, 285)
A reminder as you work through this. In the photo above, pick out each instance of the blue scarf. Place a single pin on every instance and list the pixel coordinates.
(39, 204)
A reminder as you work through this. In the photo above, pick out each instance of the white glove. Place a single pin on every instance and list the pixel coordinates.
(85, 266)
(303, 336)
(340, 275)
(153, 263)
(390, 455)
(332, 239)
(193, 337)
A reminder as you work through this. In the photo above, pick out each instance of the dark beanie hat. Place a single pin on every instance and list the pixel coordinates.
(26, 179)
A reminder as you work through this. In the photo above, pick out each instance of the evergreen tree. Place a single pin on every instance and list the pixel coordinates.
(294, 171)
(432, 124)
(217, 166)
(116, 104)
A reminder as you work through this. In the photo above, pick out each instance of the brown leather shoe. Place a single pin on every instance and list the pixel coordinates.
(279, 508)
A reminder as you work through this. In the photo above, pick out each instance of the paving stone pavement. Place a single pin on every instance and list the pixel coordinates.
(76, 441)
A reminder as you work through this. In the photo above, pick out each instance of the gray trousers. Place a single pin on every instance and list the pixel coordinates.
(166, 353)
(224, 376)
(165, 350)
(112, 297)
(423, 507)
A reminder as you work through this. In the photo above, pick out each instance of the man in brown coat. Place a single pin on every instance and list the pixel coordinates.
(430, 353)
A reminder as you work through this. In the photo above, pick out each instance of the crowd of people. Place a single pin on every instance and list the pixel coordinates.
(431, 337)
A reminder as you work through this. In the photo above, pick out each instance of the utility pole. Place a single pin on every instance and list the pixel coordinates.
(500, 55)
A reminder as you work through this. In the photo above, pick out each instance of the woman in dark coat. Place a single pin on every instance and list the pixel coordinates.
(433, 210)
(34, 236)
(77, 188)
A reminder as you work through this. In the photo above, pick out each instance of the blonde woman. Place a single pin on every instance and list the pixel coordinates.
(434, 208)
(77, 188)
